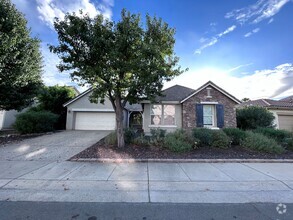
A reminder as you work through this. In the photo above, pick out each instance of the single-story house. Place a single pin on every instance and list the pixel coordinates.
(282, 110)
(179, 107)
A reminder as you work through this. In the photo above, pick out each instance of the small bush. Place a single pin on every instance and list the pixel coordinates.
(288, 143)
(278, 135)
(220, 139)
(35, 122)
(253, 117)
(259, 142)
(179, 141)
(141, 141)
(203, 135)
(236, 135)
(111, 139)
(129, 135)
(157, 137)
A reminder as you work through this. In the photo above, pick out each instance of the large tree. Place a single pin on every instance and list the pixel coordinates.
(20, 59)
(125, 61)
(52, 98)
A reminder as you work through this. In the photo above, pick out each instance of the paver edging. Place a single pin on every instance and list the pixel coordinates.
(108, 160)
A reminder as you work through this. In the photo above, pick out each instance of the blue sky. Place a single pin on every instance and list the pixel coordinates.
(244, 46)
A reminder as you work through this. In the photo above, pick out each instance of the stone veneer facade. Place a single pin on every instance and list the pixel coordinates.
(189, 111)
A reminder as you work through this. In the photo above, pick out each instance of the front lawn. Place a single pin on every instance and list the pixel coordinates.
(199, 144)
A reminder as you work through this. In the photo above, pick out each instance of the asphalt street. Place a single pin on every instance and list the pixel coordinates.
(143, 211)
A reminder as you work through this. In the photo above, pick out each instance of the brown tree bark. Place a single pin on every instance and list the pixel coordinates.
(119, 123)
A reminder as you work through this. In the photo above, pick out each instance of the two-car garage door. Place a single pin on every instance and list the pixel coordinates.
(95, 121)
(286, 122)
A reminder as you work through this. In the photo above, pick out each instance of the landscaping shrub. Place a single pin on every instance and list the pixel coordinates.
(236, 135)
(129, 135)
(111, 139)
(203, 136)
(179, 141)
(283, 137)
(220, 139)
(157, 137)
(35, 122)
(253, 117)
(259, 142)
(141, 141)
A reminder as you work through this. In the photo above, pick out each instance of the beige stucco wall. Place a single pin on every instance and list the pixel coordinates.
(84, 105)
(277, 112)
(147, 119)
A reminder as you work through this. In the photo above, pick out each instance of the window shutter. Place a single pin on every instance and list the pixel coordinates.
(199, 115)
(220, 115)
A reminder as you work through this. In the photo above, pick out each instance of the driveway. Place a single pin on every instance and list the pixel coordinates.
(58, 146)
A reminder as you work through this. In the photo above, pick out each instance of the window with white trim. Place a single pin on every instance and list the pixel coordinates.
(162, 114)
(208, 115)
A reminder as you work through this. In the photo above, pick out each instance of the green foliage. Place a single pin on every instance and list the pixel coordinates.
(203, 135)
(236, 135)
(179, 141)
(141, 141)
(157, 137)
(259, 142)
(35, 122)
(20, 60)
(253, 117)
(52, 99)
(129, 135)
(124, 60)
(282, 137)
(220, 139)
(111, 139)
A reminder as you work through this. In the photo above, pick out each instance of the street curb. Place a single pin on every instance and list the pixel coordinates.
(107, 160)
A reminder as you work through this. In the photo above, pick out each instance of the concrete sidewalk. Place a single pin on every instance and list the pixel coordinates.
(146, 182)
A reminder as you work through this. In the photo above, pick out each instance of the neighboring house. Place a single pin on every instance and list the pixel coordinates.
(182, 107)
(282, 110)
(179, 107)
(7, 118)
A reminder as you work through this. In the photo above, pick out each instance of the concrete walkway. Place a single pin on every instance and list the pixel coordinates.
(146, 182)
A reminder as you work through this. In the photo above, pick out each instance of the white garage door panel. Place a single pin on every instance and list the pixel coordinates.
(286, 122)
(95, 121)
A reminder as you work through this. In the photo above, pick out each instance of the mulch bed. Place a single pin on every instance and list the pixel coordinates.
(102, 151)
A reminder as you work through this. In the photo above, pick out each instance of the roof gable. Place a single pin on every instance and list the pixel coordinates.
(77, 97)
(210, 83)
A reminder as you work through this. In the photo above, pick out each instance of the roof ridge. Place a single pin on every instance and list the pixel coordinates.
(266, 102)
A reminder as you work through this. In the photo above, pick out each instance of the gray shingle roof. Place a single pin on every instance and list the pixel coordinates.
(267, 103)
(175, 93)
(287, 99)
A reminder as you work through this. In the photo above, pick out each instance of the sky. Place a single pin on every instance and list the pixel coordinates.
(244, 46)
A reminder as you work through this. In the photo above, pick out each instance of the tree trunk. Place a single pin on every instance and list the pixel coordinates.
(119, 123)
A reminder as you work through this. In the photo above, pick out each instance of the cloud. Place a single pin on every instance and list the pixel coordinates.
(268, 83)
(255, 13)
(228, 30)
(49, 9)
(270, 21)
(238, 67)
(254, 31)
(51, 75)
(213, 40)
